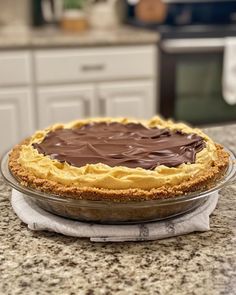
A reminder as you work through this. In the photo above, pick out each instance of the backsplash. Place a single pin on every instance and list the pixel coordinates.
(14, 14)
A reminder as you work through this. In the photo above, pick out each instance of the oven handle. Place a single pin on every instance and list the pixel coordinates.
(193, 45)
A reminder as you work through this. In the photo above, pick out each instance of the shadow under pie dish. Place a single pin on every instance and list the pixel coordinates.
(118, 162)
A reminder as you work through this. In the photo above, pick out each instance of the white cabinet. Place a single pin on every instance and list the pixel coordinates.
(121, 83)
(127, 99)
(16, 117)
(44, 86)
(64, 104)
(15, 68)
(16, 100)
(95, 64)
(124, 99)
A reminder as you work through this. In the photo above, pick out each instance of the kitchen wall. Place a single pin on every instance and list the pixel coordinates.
(14, 14)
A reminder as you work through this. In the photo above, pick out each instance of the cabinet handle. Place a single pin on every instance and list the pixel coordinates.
(89, 68)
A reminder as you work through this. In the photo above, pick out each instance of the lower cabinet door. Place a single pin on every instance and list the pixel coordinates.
(16, 117)
(64, 104)
(127, 99)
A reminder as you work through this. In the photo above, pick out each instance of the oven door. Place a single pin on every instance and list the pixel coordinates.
(191, 81)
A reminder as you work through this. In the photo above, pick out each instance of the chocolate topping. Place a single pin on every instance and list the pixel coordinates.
(115, 144)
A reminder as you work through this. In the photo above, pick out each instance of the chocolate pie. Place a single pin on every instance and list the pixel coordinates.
(119, 160)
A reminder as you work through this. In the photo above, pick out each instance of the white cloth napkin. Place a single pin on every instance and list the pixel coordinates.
(229, 71)
(39, 219)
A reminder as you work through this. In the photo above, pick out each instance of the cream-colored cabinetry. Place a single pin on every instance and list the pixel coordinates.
(115, 99)
(46, 86)
(16, 99)
(65, 103)
(95, 64)
(121, 83)
(15, 68)
(127, 99)
(16, 120)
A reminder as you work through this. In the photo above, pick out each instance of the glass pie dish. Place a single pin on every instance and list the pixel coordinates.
(110, 212)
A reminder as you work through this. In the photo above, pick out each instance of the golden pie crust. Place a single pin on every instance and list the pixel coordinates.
(101, 182)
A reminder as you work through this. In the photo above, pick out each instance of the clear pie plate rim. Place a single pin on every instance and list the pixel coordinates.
(11, 180)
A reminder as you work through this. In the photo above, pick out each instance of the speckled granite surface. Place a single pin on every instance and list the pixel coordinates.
(47, 263)
(55, 38)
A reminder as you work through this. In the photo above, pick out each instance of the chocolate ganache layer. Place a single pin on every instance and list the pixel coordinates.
(131, 145)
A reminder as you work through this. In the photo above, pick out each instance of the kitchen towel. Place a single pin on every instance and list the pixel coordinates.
(229, 71)
(38, 219)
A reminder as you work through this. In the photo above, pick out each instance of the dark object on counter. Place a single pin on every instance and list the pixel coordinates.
(46, 12)
(37, 14)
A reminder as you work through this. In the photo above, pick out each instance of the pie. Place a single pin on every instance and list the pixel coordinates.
(119, 160)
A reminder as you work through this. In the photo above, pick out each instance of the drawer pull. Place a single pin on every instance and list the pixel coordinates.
(88, 68)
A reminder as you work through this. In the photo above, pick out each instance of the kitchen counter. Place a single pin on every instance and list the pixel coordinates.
(44, 38)
(48, 263)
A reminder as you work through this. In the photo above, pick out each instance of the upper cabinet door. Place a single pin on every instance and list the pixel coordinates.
(16, 117)
(64, 104)
(128, 99)
(15, 68)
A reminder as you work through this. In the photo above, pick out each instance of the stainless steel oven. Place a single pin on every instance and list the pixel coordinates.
(191, 55)
(191, 80)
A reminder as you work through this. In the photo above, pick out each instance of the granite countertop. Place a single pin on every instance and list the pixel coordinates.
(47, 263)
(42, 38)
